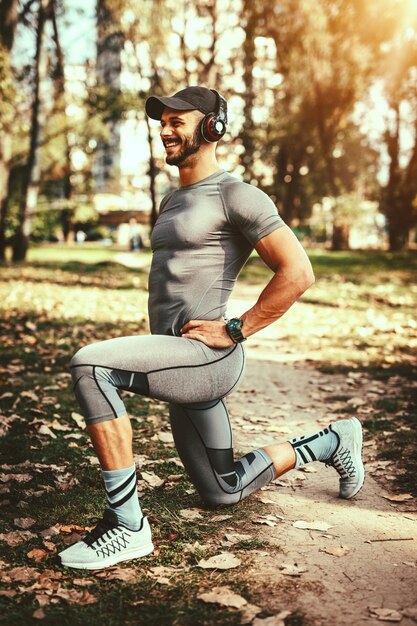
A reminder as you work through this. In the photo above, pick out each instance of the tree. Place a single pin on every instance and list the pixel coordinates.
(399, 195)
(31, 180)
(8, 22)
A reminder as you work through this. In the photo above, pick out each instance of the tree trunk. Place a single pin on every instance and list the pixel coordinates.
(249, 60)
(32, 175)
(67, 212)
(8, 22)
(152, 176)
(340, 237)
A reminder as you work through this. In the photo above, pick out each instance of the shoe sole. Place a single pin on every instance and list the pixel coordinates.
(358, 451)
(127, 556)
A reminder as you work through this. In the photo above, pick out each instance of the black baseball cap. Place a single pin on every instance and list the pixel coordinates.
(188, 99)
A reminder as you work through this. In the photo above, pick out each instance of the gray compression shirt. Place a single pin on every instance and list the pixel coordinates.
(202, 238)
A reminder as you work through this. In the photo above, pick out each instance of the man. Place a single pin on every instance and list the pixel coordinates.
(194, 358)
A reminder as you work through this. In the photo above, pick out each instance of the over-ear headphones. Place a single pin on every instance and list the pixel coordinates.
(213, 125)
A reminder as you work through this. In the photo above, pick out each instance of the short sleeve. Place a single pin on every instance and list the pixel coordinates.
(250, 210)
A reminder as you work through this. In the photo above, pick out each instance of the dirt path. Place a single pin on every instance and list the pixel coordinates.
(376, 538)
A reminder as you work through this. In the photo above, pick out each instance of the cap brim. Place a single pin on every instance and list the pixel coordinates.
(155, 105)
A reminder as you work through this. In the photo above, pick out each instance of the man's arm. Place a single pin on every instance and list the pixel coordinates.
(293, 275)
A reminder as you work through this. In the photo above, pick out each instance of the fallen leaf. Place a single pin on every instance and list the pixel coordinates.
(24, 522)
(268, 520)
(79, 420)
(20, 478)
(16, 537)
(21, 574)
(223, 596)
(152, 479)
(69, 528)
(401, 497)
(39, 614)
(165, 437)
(386, 615)
(45, 430)
(292, 569)
(339, 551)
(274, 620)
(249, 612)
(37, 554)
(410, 612)
(7, 593)
(221, 518)
(74, 596)
(224, 560)
(233, 538)
(312, 525)
(191, 514)
(125, 574)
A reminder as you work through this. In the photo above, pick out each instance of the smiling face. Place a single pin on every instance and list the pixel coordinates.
(180, 135)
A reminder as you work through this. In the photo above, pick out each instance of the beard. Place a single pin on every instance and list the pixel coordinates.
(190, 146)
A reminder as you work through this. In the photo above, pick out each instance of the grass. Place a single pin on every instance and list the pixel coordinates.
(359, 316)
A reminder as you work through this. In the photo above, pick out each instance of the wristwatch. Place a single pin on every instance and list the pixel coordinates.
(234, 330)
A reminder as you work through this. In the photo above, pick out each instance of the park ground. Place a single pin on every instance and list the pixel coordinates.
(293, 554)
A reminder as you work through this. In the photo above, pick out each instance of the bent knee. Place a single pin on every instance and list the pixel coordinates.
(218, 498)
(80, 357)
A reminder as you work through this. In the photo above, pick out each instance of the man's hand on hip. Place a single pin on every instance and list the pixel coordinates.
(213, 334)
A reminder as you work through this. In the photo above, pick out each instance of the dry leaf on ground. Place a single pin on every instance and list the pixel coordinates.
(165, 437)
(152, 479)
(21, 574)
(232, 538)
(20, 478)
(37, 554)
(221, 518)
(24, 522)
(39, 614)
(191, 514)
(312, 525)
(385, 615)
(268, 520)
(78, 419)
(224, 560)
(7, 593)
(274, 620)
(74, 596)
(338, 551)
(45, 430)
(223, 596)
(292, 569)
(125, 574)
(16, 537)
(249, 612)
(401, 497)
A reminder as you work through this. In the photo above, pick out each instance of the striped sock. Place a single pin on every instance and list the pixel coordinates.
(122, 496)
(315, 447)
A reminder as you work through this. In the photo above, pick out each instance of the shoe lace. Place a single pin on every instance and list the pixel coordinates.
(103, 527)
(343, 464)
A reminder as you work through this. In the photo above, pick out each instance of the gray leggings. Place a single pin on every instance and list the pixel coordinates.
(194, 379)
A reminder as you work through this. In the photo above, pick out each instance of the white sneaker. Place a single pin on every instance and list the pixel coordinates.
(347, 460)
(107, 544)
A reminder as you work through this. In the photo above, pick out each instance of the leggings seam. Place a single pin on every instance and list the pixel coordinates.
(162, 369)
(102, 392)
(205, 447)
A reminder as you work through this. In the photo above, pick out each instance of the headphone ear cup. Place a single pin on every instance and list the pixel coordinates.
(212, 128)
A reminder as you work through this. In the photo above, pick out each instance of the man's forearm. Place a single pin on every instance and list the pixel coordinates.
(284, 288)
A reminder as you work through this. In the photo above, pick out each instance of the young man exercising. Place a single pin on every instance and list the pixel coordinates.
(194, 357)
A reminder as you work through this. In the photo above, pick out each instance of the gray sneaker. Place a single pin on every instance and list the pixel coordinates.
(107, 544)
(347, 460)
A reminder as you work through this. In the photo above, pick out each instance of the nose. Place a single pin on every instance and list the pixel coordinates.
(165, 132)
